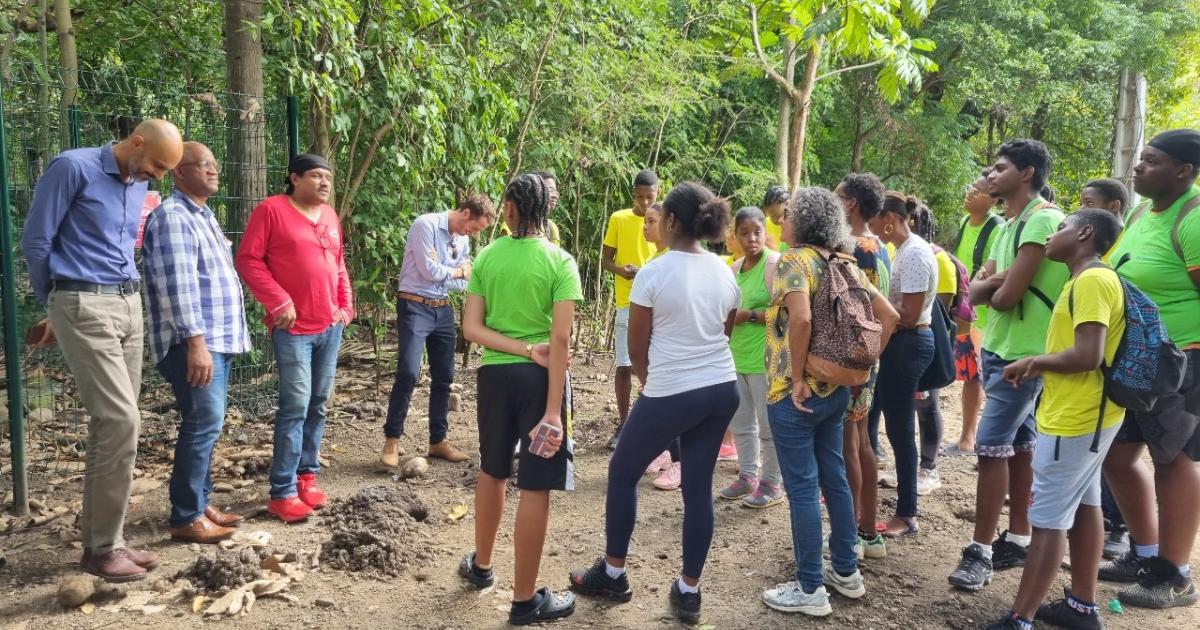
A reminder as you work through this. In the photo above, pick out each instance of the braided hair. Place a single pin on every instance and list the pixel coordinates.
(775, 194)
(528, 192)
(923, 222)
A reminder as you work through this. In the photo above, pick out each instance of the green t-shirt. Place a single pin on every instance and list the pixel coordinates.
(748, 343)
(1155, 268)
(520, 279)
(966, 253)
(1021, 331)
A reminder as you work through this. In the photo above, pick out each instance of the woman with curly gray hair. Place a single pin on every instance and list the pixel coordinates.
(806, 414)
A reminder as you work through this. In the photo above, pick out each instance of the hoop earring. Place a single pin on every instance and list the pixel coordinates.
(888, 229)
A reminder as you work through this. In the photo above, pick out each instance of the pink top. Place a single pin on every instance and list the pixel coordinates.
(287, 259)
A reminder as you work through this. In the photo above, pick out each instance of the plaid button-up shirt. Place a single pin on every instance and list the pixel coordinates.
(191, 285)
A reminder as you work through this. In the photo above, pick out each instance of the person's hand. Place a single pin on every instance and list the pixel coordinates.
(466, 271)
(982, 273)
(1022, 370)
(286, 318)
(41, 335)
(541, 355)
(801, 392)
(199, 364)
(341, 317)
(743, 316)
(628, 272)
(552, 443)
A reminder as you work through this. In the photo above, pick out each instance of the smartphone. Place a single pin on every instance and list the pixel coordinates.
(540, 444)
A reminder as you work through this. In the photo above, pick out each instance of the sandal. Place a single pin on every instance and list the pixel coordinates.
(910, 529)
(547, 606)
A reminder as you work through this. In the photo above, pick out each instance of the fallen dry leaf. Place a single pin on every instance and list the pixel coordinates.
(198, 603)
(87, 608)
(459, 511)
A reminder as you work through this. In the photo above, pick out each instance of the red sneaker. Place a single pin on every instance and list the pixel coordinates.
(310, 493)
(289, 509)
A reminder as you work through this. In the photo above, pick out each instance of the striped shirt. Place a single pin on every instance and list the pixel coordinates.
(191, 285)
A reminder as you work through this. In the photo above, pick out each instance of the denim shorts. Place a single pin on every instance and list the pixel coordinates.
(1007, 425)
(621, 334)
(1066, 474)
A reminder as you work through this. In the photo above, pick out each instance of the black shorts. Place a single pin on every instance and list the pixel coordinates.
(1173, 425)
(512, 401)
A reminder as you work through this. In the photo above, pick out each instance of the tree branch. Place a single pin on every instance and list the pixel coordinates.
(365, 165)
(762, 56)
(535, 89)
(861, 66)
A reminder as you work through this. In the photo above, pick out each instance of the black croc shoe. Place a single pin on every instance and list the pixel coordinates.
(547, 606)
(481, 578)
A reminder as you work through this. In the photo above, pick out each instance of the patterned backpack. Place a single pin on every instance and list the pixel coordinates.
(846, 335)
(960, 306)
(1146, 365)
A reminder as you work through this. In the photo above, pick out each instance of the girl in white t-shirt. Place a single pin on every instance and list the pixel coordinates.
(682, 310)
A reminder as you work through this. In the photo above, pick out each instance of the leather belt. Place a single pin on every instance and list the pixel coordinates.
(420, 299)
(125, 288)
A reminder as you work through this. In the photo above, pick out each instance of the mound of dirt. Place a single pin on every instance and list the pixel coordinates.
(375, 531)
(223, 570)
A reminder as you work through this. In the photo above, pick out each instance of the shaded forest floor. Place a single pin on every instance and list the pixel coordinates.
(751, 549)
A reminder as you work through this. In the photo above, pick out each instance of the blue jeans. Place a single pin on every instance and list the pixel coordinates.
(307, 364)
(202, 414)
(809, 446)
(901, 365)
(421, 328)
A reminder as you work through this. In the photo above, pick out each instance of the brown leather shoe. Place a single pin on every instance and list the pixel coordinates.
(148, 560)
(111, 567)
(224, 519)
(390, 456)
(443, 450)
(201, 531)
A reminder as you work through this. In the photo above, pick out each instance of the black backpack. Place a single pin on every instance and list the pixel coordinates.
(980, 252)
(1038, 293)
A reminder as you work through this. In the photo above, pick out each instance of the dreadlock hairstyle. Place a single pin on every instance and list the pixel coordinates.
(528, 192)
(923, 222)
(775, 194)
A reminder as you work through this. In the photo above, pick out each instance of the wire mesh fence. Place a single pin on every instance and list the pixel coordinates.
(249, 136)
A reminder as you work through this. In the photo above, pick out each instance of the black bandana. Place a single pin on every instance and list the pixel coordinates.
(1181, 144)
(303, 163)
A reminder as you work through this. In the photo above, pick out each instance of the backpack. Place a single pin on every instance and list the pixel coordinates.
(846, 335)
(1146, 364)
(1183, 212)
(960, 306)
(979, 254)
(770, 259)
(941, 371)
(1038, 293)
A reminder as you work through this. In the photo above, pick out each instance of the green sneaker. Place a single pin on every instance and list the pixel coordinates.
(873, 548)
(858, 547)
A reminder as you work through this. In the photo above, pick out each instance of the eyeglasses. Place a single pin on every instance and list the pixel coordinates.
(206, 165)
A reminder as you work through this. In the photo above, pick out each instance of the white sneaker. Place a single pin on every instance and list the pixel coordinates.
(851, 586)
(790, 597)
(928, 481)
(859, 550)
(887, 479)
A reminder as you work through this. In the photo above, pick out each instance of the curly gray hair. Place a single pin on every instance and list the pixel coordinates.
(818, 219)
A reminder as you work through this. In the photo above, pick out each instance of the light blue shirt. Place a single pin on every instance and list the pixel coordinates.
(431, 254)
(83, 222)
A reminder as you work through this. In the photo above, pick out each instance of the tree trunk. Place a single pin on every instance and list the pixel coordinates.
(247, 163)
(784, 121)
(68, 60)
(803, 107)
(535, 95)
(1130, 126)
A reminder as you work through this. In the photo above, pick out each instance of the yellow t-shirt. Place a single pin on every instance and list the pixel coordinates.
(624, 234)
(552, 233)
(1107, 257)
(947, 281)
(1071, 402)
(775, 231)
(891, 251)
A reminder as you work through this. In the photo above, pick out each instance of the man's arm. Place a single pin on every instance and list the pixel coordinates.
(429, 266)
(251, 263)
(640, 318)
(170, 261)
(52, 198)
(1018, 277)
(983, 285)
(608, 260)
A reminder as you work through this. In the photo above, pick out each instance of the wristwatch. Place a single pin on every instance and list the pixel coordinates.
(754, 317)
(529, 351)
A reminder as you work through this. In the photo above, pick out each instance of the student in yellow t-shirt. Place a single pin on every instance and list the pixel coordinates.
(552, 233)
(625, 250)
(773, 205)
(1086, 327)
(1106, 194)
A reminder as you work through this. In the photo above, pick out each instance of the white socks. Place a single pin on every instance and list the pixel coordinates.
(1018, 540)
(613, 572)
(986, 550)
(684, 588)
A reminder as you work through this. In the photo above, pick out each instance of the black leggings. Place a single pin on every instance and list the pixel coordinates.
(698, 418)
(930, 423)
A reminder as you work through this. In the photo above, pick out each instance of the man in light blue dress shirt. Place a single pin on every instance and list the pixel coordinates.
(437, 260)
(78, 244)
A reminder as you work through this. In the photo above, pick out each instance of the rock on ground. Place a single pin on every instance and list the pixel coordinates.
(75, 590)
(223, 570)
(376, 531)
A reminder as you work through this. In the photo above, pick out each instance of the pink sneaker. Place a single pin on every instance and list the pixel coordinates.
(728, 452)
(669, 478)
(659, 463)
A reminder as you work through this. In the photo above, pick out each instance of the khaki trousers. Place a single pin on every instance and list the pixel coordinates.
(101, 340)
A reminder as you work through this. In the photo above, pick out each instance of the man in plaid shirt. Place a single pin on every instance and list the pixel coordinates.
(197, 324)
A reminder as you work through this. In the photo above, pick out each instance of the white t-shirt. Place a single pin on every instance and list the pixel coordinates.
(915, 271)
(691, 296)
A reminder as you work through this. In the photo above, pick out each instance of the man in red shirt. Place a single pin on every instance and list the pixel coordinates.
(291, 258)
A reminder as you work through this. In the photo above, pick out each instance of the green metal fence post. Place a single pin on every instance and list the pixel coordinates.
(293, 127)
(12, 344)
(73, 121)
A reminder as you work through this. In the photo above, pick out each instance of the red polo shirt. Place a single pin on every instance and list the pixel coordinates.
(285, 259)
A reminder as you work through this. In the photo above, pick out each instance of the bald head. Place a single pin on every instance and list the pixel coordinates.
(198, 174)
(154, 147)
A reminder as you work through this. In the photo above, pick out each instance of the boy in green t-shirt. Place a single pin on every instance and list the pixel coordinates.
(625, 250)
(1085, 333)
(1017, 283)
(520, 308)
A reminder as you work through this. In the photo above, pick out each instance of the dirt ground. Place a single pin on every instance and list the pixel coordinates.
(751, 549)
